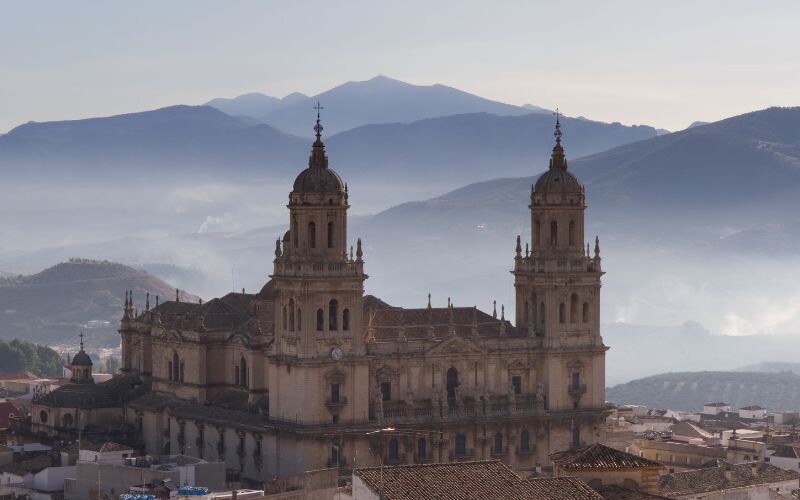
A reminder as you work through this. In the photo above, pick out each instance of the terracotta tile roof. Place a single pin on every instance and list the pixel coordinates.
(611, 492)
(485, 480)
(109, 394)
(561, 488)
(387, 322)
(18, 376)
(6, 410)
(714, 478)
(599, 456)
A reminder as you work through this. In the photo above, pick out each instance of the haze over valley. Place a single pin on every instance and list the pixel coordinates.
(439, 183)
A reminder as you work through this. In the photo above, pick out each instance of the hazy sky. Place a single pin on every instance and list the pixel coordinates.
(660, 63)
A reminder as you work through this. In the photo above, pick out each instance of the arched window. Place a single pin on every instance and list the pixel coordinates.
(571, 233)
(461, 445)
(312, 235)
(333, 314)
(562, 313)
(320, 320)
(175, 366)
(294, 230)
(394, 451)
(291, 315)
(180, 374)
(553, 233)
(541, 313)
(585, 312)
(285, 319)
(43, 416)
(573, 308)
(422, 448)
(576, 437)
(169, 370)
(299, 320)
(452, 382)
(330, 234)
(524, 441)
(537, 234)
(498, 443)
(67, 420)
(525, 314)
(243, 372)
(334, 455)
(346, 319)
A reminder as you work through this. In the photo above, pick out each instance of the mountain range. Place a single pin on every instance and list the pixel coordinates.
(689, 391)
(56, 304)
(378, 100)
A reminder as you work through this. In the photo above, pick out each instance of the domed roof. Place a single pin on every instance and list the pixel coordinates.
(318, 178)
(81, 359)
(558, 182)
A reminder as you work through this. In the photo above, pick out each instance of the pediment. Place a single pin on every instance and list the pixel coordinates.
(518, 364)
(238, 339)
(455, 345)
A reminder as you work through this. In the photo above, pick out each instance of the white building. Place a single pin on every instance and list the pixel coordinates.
(754, 411)
(716, 408)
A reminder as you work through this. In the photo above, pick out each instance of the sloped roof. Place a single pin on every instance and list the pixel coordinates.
(690, 430)
(561, 488)
(613, 492)
(752, 408)
(419, 323)
(486, 480)
(109, 394)
(600, 456)
(714, 478)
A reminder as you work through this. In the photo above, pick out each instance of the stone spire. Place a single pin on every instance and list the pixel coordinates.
(494, 309)
(318, 158)
(359, 253)
(557, 160)
(518, 249)
(278, 252)
(596, 247)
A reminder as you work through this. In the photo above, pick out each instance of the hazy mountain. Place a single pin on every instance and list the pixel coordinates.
(697, 124)
(382, 100)
(772, 367)
(158, 141)
(253, 105)
(55, 305)
(471, 146)
(688, 391)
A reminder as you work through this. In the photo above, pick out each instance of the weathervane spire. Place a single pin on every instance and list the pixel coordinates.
(318, 126)
(557, 133)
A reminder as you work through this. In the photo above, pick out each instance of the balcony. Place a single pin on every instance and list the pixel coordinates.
(427, 411)
(576, 390)
(463, 455)
(422, 459)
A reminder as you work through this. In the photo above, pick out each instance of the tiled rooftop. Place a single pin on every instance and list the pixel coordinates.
(714, 478)
(599, 456)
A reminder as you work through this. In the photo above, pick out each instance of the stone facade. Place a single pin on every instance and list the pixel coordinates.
(300, 375)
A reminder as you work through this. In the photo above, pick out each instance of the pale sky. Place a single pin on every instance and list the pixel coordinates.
(664, 64)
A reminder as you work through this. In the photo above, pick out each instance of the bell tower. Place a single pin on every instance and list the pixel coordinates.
(318, 279)
(557, 282)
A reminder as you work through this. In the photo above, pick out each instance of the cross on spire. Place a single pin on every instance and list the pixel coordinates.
(557, 133)
(318, 126)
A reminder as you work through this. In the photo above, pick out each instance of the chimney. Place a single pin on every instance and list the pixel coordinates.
(754, 469)
(728, 475)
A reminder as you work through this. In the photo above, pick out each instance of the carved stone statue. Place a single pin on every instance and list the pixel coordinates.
(409, 397)
(539, 395)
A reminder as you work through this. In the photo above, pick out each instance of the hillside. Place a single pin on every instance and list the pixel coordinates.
(253, 105)
(688, 391)
(19, 356)
(384, 100)
(55, 305)
(772, 367)
(169, 142)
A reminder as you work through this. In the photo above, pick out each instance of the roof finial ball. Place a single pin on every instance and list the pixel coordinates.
(318, 126)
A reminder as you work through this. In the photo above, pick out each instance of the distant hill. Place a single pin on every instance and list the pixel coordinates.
(772, 367)
(383, 100)
(253, 105)
(19, 356)
(55, 305)
(168, 142)
(688, 391)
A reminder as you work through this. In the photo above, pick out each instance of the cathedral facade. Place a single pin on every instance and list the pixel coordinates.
(311, 373)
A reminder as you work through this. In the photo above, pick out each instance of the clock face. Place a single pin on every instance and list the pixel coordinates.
(337, 353)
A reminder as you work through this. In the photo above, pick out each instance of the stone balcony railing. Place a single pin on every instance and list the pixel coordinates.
(399, 413)
(580, 264)
(576, 389)
(326, 269)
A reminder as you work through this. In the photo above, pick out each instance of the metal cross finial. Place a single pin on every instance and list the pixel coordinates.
(81, 336)
(318, 126)
(557, 133)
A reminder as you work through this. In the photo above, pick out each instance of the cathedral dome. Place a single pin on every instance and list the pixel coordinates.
(558, 182)
(81, 359)
(318, 178)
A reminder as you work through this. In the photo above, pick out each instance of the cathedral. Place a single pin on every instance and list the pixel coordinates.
(310, 372)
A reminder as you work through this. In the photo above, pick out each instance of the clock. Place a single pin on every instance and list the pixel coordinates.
(337, 353)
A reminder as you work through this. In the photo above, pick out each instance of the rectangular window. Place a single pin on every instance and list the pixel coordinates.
(516, 381)
(386, 391)
(334, 393)
(576, 380)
